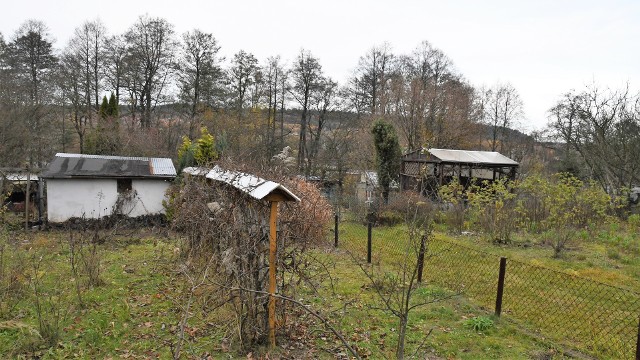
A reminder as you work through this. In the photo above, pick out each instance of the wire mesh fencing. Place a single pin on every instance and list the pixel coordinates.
(594, 317)
(575, 312)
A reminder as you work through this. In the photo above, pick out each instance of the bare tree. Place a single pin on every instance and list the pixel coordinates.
(603, 127)
(74, 95)
(325, 100)
(80, 76)
(371, 76)
(199, 74)
(306, 75)
(503, 110)
(241, 77)
(115, 51)
(28, 64)
(151, 52)
(87, 46)
(396, 285)
(273, 76)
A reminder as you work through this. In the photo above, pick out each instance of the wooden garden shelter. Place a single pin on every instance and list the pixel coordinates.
(425, 170)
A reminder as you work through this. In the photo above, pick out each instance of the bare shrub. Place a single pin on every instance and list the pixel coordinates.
(455, 210)
(396, 286)
(85, 260)
(13, 276)
(50, 305)
(232, 229)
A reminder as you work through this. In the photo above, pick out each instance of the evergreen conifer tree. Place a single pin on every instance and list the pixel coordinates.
(113, 106)
(387, 155)
(104, 108)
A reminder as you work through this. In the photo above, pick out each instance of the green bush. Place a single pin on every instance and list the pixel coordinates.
(634, 221)
(493, 207)
(479, 323)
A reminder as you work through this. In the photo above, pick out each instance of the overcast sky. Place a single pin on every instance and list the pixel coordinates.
(543, 48)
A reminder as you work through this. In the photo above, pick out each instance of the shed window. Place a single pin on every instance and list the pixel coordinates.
(124, 185)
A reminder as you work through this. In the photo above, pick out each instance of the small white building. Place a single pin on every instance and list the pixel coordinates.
(94, 186)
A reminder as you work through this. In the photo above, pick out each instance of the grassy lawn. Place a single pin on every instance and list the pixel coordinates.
(136, 311)
(446, 319)
(132, 314)
(571, 305)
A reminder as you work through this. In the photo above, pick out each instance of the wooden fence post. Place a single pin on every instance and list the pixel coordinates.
(503, 267)
(335, 231)
(369, 242)
(421, 257)
(26, 200)
(273, 221)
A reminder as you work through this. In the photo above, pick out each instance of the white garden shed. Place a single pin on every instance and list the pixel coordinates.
(94, 186)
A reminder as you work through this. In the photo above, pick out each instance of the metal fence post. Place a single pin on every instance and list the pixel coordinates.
(369, 242)
(335, 231)
(503, 267)
(421, 257)
(638, 343)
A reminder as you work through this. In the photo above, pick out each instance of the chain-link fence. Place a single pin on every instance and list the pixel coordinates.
(575, 312)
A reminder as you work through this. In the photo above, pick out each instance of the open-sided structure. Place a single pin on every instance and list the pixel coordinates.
(425, 170)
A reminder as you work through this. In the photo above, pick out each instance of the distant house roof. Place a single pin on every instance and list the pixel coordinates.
(466, 157)
(370, 178)
(20, 177)
(67, 166)
(252, 185)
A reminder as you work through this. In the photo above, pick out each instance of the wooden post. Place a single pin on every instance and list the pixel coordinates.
(503, 267)
(335, 230)
(273, 218)
(26, 201)
(369, 242)
(423, 240)
(40, 202)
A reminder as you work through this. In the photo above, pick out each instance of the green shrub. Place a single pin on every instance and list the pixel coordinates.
(613, 254)
(479, 323)
(493, 205)
(634, 221)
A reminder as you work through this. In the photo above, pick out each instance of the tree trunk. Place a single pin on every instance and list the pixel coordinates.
(402, 333)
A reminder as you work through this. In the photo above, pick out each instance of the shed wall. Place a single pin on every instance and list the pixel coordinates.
(67, 198)
(95, 198)
(149, 197)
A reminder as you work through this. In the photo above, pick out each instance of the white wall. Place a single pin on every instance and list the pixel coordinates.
(95, 198)
(149, 196)
(92, 198)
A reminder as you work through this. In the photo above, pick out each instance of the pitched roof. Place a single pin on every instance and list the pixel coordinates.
(470, 157)
(252, 185)
(66, 166)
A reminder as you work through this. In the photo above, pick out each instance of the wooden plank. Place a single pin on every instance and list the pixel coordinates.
(273, 220)
(276, 196)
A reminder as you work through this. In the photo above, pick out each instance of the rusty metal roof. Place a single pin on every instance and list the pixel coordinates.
(66, 166)
(472, 157)
(252, 185)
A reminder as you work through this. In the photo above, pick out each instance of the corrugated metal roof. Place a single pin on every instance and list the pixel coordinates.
(104, 157)
(66, 165)
(252, 185)
(162, 166)
(473, 157)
